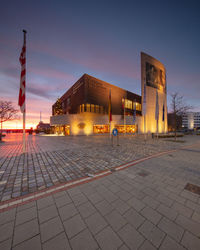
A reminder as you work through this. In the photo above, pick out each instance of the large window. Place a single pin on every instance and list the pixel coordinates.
(131, 105)
(101, 129)
(91, 108)
(126, 128)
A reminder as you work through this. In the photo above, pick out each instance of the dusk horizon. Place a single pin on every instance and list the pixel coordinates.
(104, 40)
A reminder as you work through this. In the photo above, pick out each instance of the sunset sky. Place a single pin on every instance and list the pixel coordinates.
(66, 39)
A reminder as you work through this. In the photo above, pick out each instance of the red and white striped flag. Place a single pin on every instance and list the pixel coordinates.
(22, 90)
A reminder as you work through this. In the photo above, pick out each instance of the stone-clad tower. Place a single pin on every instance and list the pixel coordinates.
(153, 77)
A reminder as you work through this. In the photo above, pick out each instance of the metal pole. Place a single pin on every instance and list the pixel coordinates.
(24, 113)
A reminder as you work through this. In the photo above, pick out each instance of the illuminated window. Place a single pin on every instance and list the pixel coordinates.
(83, 108)
(126, 128)
(128, 104)
(100, 129)
(97, 108)
(92, 108)
(87, 107)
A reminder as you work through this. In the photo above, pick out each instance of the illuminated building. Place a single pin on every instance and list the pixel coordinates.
(191, 120)
(85, 106)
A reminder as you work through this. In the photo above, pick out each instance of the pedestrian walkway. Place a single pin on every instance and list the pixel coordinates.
(144, 206)
(51, 160)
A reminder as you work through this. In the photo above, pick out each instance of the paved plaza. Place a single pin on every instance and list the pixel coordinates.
(144, 206)
(52, 160)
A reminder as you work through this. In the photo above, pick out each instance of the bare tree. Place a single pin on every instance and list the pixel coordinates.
(179, 107)
(7, 112)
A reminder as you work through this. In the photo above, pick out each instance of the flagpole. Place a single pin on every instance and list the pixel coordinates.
(124, 118)
(24, 113)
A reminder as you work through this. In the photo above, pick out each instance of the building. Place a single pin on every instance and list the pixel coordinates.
(85, 105)
(43, 127)
(191, 120)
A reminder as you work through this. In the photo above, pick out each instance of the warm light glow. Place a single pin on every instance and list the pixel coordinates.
(88, 130)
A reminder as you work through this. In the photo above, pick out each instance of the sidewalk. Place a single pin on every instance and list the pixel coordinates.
(145, 206)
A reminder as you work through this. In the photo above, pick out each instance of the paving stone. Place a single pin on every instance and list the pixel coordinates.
(189, 195)
(26, 206)
(171, 229)
(177, 198)
(147, 246)
(196, 217)
(131, 237)
(193, 205)
(25, 231)
(124, 195)
(182, 209)
(79, 199)
(95, 198)
(123, 247)
(171, 244)
(134, 218)
(189, 225)
(45, 202)
(114, 188)
(150, 192)
(47, 213)
(67, 211)
(152, 233)
(7, 216)
(59, 242)
(74, 226)
(120, 206)
(50, 229)
(86, 209)
(138, 194)
(136, 204)
(31, 244)
(63, 200)
(83, 241)
(73, 191)
(165, 200)
(96, 223)
(170, 213)
(108, 239)
(190, 241)
(26, 215)
(151, 202)
(104, 207)
(109, 196)
(115, 220)
(151, 215)
(6, 245)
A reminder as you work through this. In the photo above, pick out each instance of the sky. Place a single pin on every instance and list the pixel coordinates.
(66, 39)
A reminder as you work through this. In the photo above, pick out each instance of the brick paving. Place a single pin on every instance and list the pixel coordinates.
(52, 160)
(124, 210)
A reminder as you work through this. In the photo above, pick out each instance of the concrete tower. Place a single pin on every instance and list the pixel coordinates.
(153, 78)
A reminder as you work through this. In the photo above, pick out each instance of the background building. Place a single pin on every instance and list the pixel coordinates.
(191, 120)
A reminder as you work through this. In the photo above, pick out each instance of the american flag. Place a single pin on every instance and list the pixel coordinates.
(22, 59)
